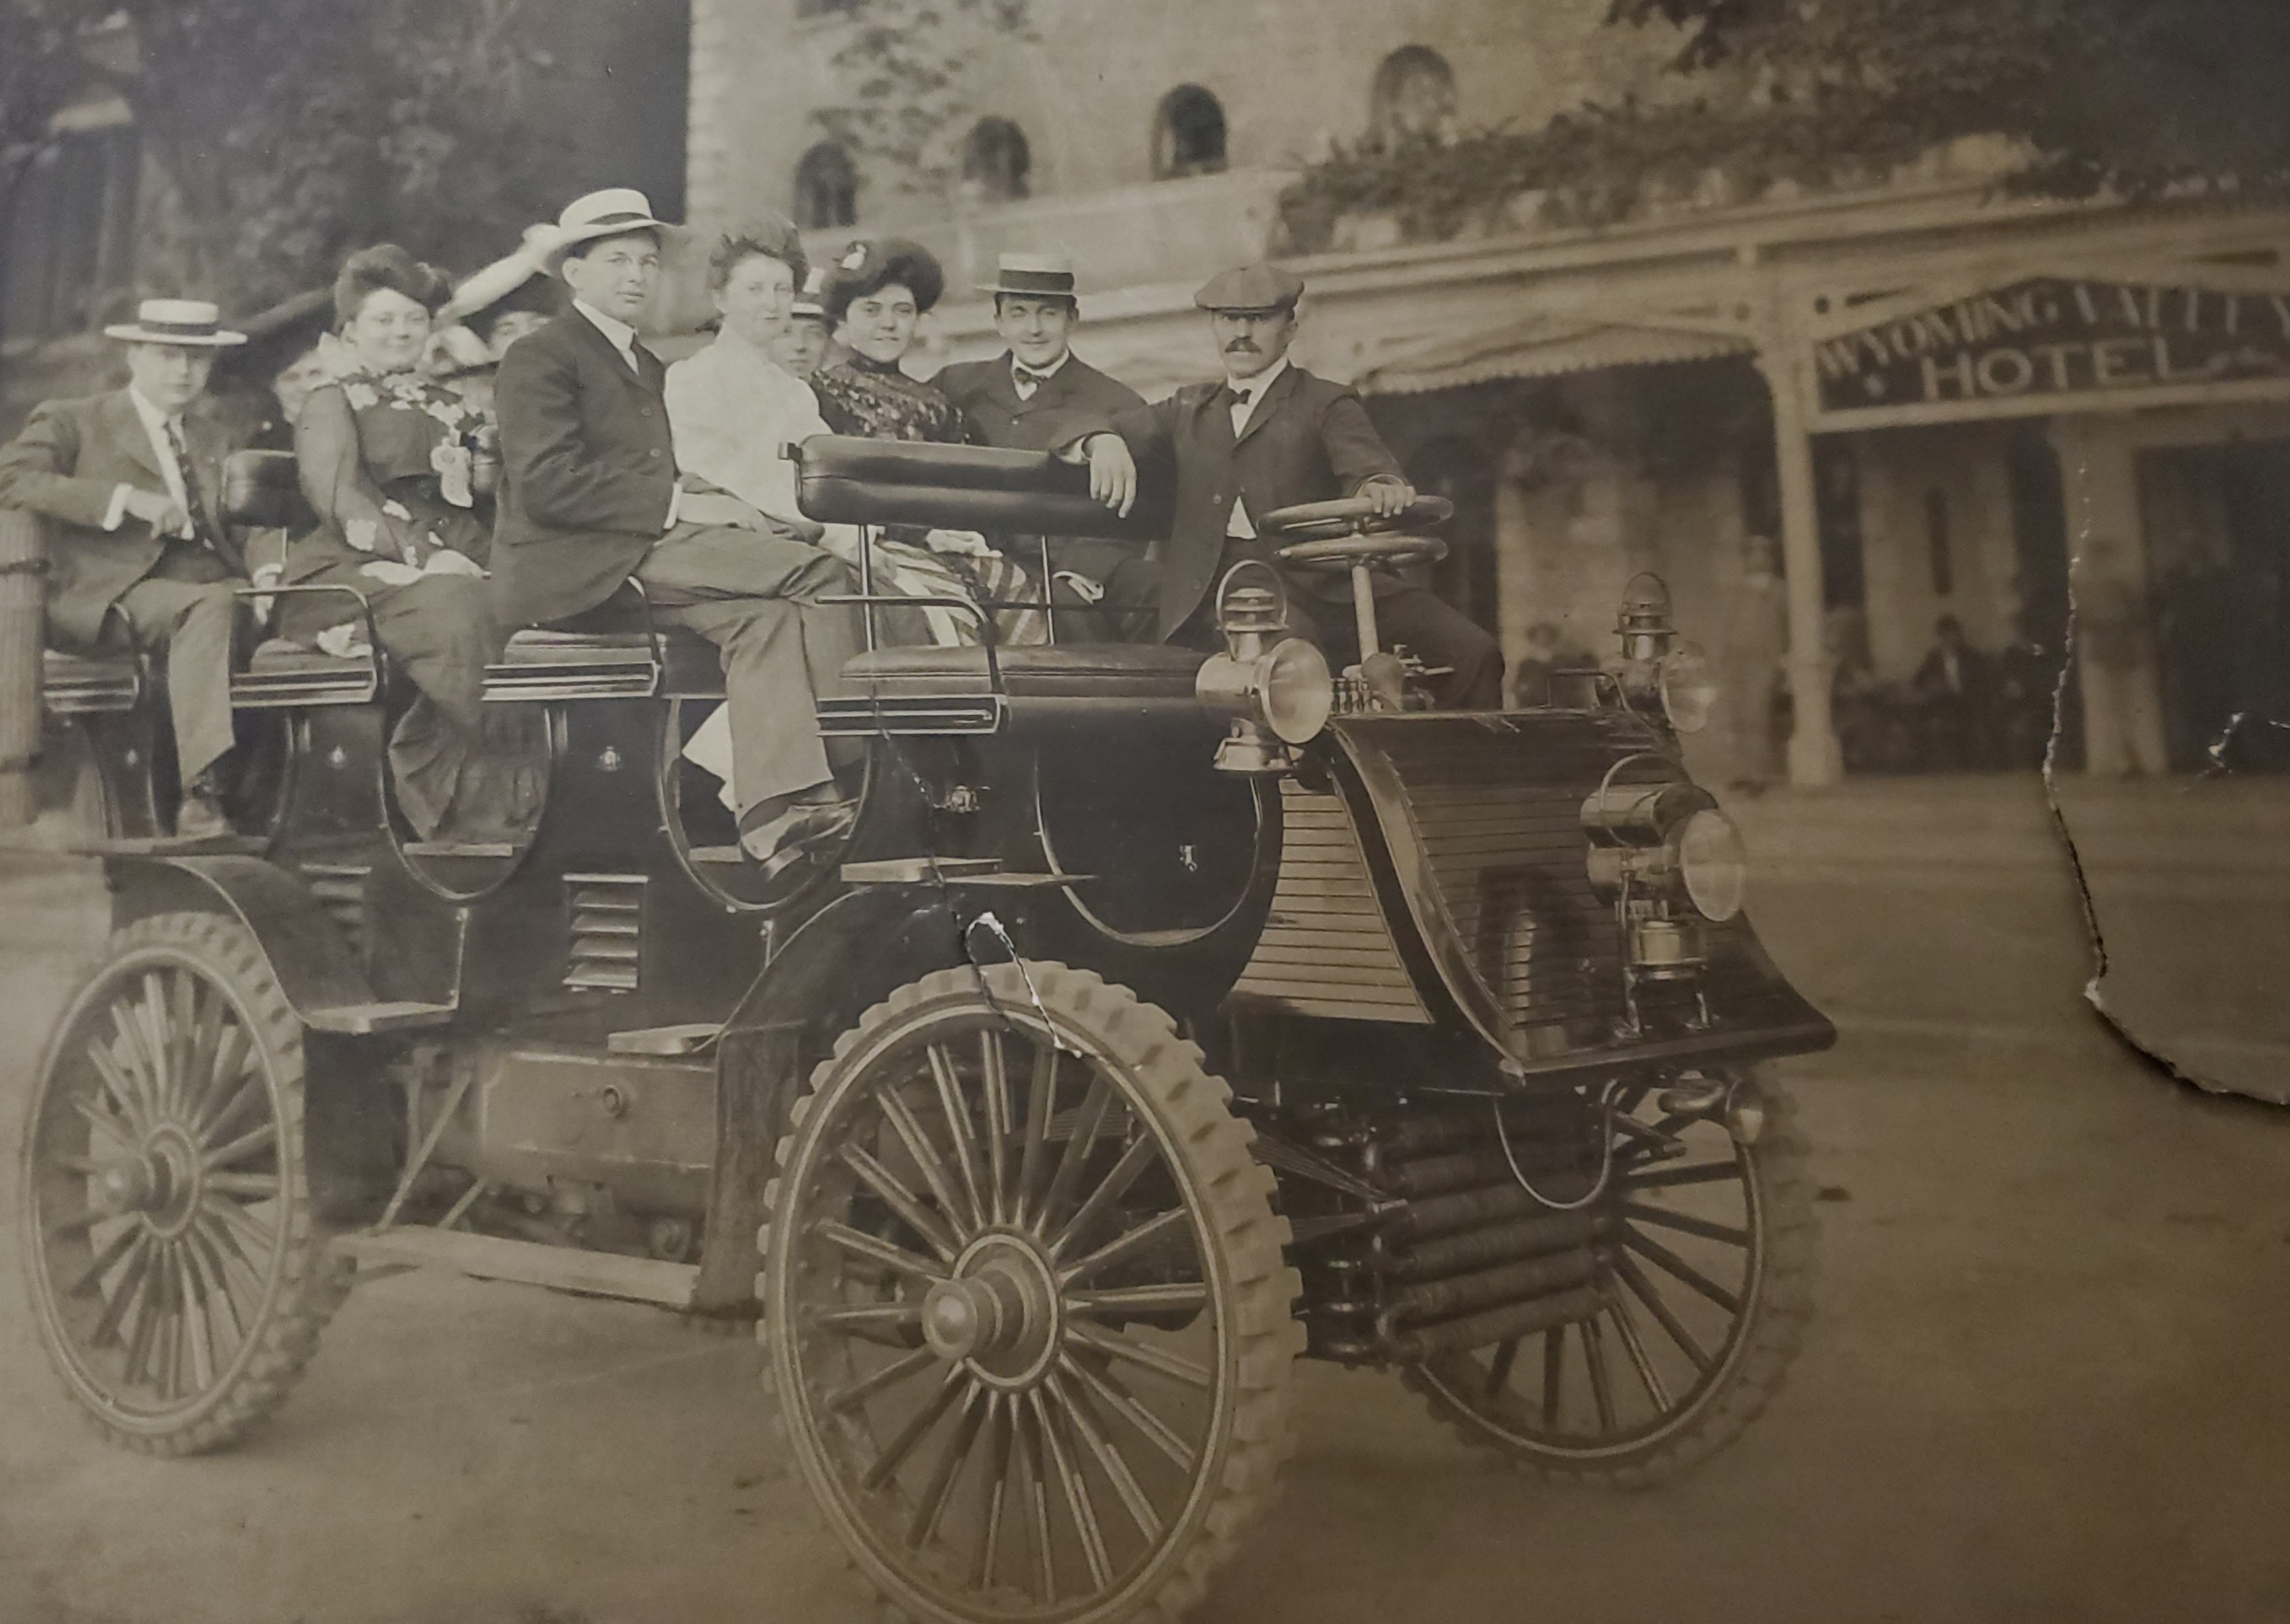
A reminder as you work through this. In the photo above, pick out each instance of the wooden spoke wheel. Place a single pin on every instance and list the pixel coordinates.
(1703, 1274)
(1025, 1310)
(175, 1278)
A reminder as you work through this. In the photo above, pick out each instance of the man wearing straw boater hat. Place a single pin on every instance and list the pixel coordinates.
(1017, 400)
(131, 484)
(591, 498)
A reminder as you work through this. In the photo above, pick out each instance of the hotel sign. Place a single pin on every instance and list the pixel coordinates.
(2052, 343)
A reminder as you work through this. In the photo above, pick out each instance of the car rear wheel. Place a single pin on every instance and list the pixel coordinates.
(177, 1281)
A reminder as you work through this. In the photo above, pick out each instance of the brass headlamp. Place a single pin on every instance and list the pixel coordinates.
(1276, 689)
(1658, 667)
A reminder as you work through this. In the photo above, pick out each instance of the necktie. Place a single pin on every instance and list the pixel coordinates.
(199, 530)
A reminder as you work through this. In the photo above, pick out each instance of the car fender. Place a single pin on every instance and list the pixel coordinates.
(307, 954)
(845, 959)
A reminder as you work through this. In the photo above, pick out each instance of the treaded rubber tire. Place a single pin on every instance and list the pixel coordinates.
(1235, 1190)
(311, 1284)
(1778, 1317)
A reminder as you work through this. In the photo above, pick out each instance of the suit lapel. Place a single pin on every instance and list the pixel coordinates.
(1270, 404)
(1003, 389)
(124, 425)
(586, 332)
(1211, 420)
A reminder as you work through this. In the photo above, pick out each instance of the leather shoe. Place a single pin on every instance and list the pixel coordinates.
(200, 817)
(800, 831)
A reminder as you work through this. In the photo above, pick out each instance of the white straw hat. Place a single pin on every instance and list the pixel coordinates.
(192, 323)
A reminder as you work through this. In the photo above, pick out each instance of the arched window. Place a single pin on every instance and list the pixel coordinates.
(1187, 134)
(996, 164)
(1414, 97)
(827, 187)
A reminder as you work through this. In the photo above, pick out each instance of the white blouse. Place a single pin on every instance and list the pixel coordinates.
(731, 408)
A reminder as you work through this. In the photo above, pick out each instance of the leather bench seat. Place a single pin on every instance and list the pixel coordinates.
(545, 662)
(285, 673)
(81, 684)
(1068, 671)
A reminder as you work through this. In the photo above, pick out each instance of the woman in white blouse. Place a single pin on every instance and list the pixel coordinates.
(732, 409)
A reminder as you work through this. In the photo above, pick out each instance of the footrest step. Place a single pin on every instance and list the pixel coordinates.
(689, 1039)
(568, 1268)
(461, 848)
(916, 870)
(366, 1020)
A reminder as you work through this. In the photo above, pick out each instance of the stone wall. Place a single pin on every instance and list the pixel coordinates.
(1291, 75)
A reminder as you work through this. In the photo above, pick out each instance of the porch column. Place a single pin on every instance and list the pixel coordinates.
(2111, 631)
(1815, 756)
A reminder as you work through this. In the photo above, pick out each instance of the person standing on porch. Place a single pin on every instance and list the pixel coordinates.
(2111, 639)
(1751, 666)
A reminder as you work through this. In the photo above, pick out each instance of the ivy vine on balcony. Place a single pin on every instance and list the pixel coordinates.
(1594, 166)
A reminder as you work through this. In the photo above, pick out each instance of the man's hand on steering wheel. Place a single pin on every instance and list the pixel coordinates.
(1391, 496)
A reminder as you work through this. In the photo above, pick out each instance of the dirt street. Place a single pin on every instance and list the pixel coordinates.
(2046, 1385)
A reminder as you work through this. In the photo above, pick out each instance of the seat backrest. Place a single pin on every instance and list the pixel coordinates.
(262, 490)
(852, 481)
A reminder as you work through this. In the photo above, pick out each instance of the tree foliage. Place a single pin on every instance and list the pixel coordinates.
(290, 131)
(907, 87)
(2133, 97)
(2129, 96)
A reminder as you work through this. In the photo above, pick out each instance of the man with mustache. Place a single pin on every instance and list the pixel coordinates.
(1272, 436)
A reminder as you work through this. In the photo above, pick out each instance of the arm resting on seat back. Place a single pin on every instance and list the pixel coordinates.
(37, 471)
(559, 477)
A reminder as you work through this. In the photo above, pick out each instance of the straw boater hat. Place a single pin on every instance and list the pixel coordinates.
(614, 211)
(192, 323)
(1041, 275)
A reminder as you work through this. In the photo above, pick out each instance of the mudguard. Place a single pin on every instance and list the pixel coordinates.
(307, 951)
(843, 960)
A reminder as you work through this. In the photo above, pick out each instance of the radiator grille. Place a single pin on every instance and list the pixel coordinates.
(1325, 950)
(1499, 816)
(606, 914)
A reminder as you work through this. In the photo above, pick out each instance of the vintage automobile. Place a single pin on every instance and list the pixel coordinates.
(1168, 1017)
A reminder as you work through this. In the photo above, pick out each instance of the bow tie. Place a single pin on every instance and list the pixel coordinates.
(1230, 396)
(1026, 374)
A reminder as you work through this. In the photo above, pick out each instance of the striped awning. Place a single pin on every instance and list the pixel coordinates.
(1536, 346)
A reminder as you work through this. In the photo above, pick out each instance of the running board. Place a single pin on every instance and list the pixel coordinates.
(368, 1019)
(565, 1268)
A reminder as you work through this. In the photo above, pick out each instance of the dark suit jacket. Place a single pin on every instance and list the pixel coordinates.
(993, 413)
(66, 464)
(1308, 441)
(588, 470)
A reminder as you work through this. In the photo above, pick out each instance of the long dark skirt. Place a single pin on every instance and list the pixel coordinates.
(460, 770)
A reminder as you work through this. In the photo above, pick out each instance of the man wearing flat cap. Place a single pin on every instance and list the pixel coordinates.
(1017, 401)
(131, 483)
(591, 498)
(1272, 436)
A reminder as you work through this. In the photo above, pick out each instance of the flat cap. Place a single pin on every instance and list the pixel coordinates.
(1252, 287)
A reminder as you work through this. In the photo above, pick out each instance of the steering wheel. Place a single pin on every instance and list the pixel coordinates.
(1334, 538)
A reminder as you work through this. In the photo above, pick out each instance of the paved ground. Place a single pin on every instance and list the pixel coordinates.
(2046, 1386)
